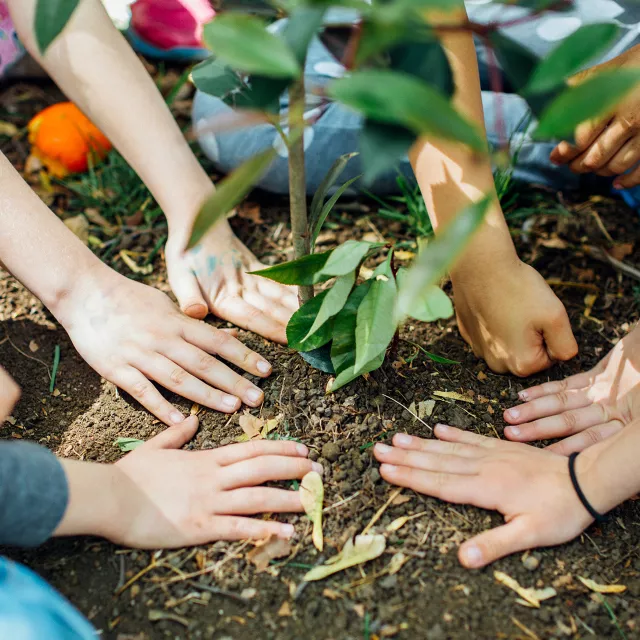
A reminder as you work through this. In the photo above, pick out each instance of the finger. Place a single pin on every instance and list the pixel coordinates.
(230, 454)
(585, 439)
(559, 339)
(452, 434)
(236, 310)
(495, 543)
(626, 158)
(579, 381)
(227, 346)
(258, 500)
(425, 460)
(263, 469)
(236, 528)
(549, 405)
(586, 133)
(214, 372)
(174, 437)
(449, 487)
(558, 426)
(628, 180)
(405, 441)
(272, 308)
(140, 388)
(184, 285)
(9, 394)
(173, 377)
(601, 150)
(286, 296)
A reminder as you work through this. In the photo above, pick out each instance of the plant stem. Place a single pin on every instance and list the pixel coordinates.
(297, 180)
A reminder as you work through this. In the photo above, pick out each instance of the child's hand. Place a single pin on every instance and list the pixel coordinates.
(131, 333)
(530, 487)
(160, 497)
(213, 277)
(585, 408)
(512, 319)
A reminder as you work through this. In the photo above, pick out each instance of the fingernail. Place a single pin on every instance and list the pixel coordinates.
(287, 530)
(388, 468)
(263, 366)
(523, 395)
(302, 450)
(317, 467)
(382, 448)
(442, 427)
(176, 417)
(402, 439)
(254, 395)
(514, 414)
(473, 555)
(514, 431)
(230, 401)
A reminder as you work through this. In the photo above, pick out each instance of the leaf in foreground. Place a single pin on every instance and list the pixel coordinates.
(334, 301)
(299, 334)
(602, 588)
(128, 444)
(304, 271)
(433, 303)
(229, 193)
(355, 552)
(51, 18)
(312, 497)
(267, 550)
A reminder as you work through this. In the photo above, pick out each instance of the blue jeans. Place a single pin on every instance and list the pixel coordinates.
(30, 609)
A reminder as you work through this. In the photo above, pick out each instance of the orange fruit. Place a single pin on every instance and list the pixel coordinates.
(64, 139)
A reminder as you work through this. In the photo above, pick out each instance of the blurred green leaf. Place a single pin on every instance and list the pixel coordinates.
(215, 78)
(304, 271)
(439, 255)
(229, 192)
(376, 324)
(333, 301)
(347, 257)
(327, 208)
(571, 55)
(398, 98)
(383, 147)
(259, 93)
(426, 61)
(244, 43)
(432, 304)
(298, 329)
(591, 99)
(303, 23)
(50, 19)
(517, 62)
(128, 444)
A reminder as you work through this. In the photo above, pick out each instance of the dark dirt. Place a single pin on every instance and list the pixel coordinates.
(431, 597)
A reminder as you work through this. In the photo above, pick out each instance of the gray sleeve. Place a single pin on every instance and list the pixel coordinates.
(33, 493)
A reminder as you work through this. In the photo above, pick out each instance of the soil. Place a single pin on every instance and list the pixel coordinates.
(431, 596)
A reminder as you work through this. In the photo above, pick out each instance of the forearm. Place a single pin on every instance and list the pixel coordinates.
(36, 247)
(97, 69)
(450, 175)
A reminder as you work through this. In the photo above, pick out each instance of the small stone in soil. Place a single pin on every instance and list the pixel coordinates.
(531, 562)
(331, 451)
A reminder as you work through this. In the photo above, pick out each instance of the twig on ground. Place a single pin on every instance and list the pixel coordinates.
(381, 510)
(409, 411)
(600, 254)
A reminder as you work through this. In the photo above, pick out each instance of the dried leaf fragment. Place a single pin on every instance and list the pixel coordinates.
(356, 551)
(532, 597)
(452, 395)
(267, 550)
(79, 226)
(128, 444)
(285, 610)
(425, 408)
(312, 497)
(251, 425)
(270, 425)
(33, 346)
(602, 588)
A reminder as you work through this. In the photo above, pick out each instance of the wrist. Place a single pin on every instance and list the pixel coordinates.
(592, 484)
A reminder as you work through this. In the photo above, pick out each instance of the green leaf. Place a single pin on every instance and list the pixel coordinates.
(593, 98)
(433, 356)
(215, 78)
(128, 444)
(383, 147)
(326, 210)
(438, 255)
(304, 271)
(244, 43)
(433, 303)
(347, 257)
(319, 358)
(229, 193)
(571, 55)
(302, 24)
(334, 300)
(260, 93)
(426, 61)
(50, 19)
(320, 195)
(398, 98)
(300, 324)
(376, 323)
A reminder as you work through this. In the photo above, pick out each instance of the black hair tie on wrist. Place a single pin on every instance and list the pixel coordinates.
(574, 481)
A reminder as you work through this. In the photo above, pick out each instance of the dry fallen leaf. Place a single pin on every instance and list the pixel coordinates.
(397, 562)
(312, 497)
(356, 551)
(425, 408)
(452, 395)
(33, 346)
(251, 425)
(602, 588)
(250, 211)
(331, 594)
(79, 225)
(267, 550)
(539, 595)
(144, 270)
(589, 301)
(270, 425)
(398, 523)
(621, 251)
(482, 376)
(8, 129)
(398, 500)
(285, 610)
(531, 597)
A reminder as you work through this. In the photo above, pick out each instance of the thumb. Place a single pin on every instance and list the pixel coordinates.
(187, 290)
(494, 544)
(559, 339)
(176, 436)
